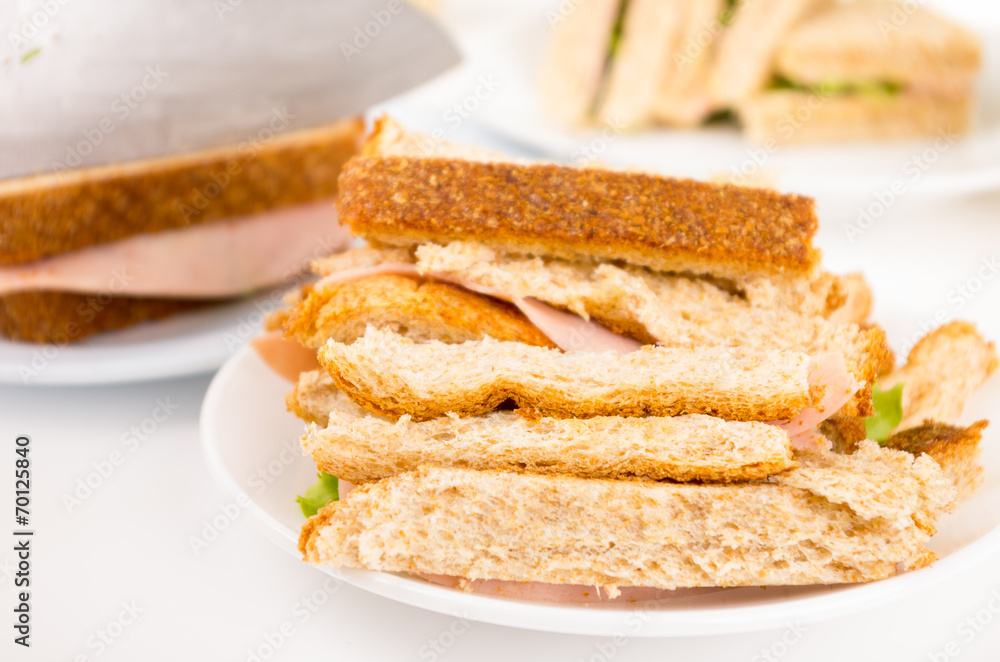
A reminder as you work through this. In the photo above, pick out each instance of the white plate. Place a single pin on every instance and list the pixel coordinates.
(251, 445)
(184, 344)
(508, 48)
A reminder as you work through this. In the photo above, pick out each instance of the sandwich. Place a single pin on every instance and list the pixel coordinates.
(867, 70)
(580, 377)
(630, 62)
(790, 71)
(99, 248)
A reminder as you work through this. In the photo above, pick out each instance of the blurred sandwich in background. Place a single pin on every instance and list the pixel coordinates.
(863, 69)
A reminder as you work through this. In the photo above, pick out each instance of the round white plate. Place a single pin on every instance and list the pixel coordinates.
(188, 343)
(251, 446)
(507, 49)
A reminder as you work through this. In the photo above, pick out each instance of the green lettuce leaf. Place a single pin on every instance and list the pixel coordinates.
(831, 87)
(888, 412)
(317, 495)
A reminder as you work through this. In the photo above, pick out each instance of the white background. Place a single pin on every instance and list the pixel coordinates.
(130, 541)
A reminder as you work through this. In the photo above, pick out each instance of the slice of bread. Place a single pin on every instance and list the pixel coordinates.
(942, 370)
(955, 448)
(902, 43)
(859, 518)
(650, 30)
(416, 309)
(64, 317)
(362, 449)
(391, 375)
(790, 116)
(669, 310)
(659, 222)
(573, 65)
(744, 57)
(57, 212)
(315, 396)
(682, 97)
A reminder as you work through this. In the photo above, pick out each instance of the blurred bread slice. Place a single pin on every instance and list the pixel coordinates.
(744, 59)
(650, 33)
(573, 66)
(873, 40)
(793, 116)
(682, 97)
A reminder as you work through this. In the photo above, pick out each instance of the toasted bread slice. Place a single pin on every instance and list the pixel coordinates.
(941, 372)
(777, 116)
(905, 44)
(419, 310)
(658, 222)
(63, 317)
(955, 448)
(57, 212)
(362, 449)
(574, 63)
(669, 310)
(391, 375)
(847, 519)
(745, 54)
(315, 396)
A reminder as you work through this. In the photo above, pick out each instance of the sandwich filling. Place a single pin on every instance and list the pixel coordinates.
(216, 260)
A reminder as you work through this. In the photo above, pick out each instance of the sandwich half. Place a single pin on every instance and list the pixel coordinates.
(531, 376)
(104, 247)
(867, 70)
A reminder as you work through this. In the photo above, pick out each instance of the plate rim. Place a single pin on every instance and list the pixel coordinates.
(575, 619)
(197, 358)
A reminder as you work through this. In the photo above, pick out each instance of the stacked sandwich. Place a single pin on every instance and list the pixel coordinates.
(107, 246)
(585, 377)
(793, 71)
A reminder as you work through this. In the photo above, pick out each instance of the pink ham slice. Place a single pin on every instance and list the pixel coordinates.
(569, 332)
(572, 333)
(286, 357)
(830, 371)
(213, 260)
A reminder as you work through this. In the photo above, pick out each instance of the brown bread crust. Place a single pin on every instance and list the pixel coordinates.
(659, 222)
(955, 448)
(53, 213)
(61, 317)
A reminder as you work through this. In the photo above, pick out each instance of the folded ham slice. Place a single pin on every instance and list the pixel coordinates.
(211, 260)
(569, 332)
(572, 333)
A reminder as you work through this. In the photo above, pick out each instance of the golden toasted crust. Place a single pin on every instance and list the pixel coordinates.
(942, 371)
(955, 448)
(666, 224)
(363, 448)
(61, 317)
(846, 432)
(52, 213)
(417, 309)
